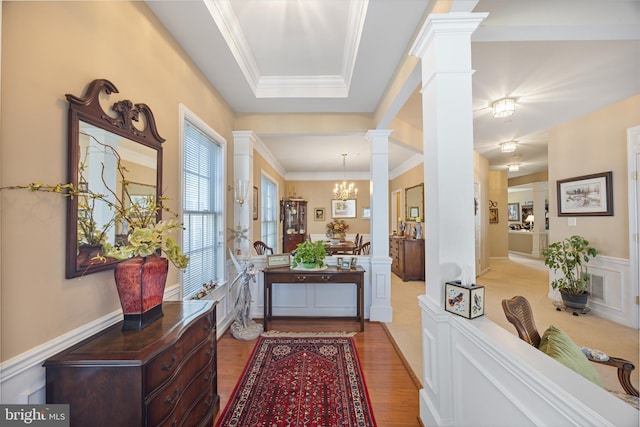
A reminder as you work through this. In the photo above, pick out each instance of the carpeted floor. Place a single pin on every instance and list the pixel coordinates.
(506, 278)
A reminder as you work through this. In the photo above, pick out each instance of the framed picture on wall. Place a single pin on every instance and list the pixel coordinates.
(493, 215)
(343, 208)
(513, 211)
(588, 195)
(318, 214)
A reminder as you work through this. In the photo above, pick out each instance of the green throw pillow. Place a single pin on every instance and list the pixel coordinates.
(559, 346)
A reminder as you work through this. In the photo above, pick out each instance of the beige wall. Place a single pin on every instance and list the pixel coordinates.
(498, 232)
(50, 49)
(528, 179)
(318, 194)
(481, 176)
(591, 144)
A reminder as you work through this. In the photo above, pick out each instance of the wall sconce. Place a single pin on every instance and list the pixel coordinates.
(240, 191)
(508, 147)
(504, 107)
(513, 167)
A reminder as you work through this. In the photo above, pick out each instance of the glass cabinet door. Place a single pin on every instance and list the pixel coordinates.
(292, 223)
(302, 214)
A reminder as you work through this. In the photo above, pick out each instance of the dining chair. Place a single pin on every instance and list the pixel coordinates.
(262, 248)
(363, 249)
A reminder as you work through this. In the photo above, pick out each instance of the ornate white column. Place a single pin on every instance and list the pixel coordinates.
(381, 309)
(243, 142)
(444, 46)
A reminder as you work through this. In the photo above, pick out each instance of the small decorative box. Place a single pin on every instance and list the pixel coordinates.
(464, 300)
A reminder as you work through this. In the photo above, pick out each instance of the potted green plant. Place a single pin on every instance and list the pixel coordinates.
(570, 256)
(309, 254)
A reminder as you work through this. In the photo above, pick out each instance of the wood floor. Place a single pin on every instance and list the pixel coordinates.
(394, 397)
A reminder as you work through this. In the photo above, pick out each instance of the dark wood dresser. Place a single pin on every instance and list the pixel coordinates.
(163, 375)
(407, 258)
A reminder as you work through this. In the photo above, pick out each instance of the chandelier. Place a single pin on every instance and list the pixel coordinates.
(345, 191)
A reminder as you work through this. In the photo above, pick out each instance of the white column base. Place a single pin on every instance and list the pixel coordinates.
(381, 310)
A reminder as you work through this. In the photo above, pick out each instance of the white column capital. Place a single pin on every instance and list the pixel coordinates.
(243, 141)
(450, 24)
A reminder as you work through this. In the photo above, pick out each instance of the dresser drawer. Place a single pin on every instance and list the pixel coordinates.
(173, 400)
(164, 365)
(199, 414)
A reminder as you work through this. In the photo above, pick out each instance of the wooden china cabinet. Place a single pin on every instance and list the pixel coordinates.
(293, 214)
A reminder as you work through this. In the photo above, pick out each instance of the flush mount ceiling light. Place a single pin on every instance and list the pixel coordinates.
(504, 107)
(513, 167)
(508, 147)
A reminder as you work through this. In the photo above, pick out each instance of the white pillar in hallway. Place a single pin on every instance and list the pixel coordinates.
(243, 143)
(380, 273)
(444, 46)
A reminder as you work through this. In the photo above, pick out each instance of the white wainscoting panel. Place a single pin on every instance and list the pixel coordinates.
(322, 299)
(618, 293)
(496, 379)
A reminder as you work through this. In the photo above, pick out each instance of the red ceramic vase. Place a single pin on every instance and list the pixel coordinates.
(140, 282)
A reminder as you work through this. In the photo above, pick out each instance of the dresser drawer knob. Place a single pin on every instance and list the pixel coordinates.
(301, 278)
(208, 376)
(166, 367)
(325, 278)
(209, 401)
(170, 400)
(211, 350)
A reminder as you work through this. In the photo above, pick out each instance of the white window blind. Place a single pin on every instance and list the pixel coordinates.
(269, 210)
(202, 209)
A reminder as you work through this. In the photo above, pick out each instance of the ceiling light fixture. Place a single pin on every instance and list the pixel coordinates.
(344, 191)
(508, 147)
(504, 107)
(513, 167)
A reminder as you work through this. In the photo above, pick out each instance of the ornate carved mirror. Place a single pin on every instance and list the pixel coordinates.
(414, 202)
(101, 137)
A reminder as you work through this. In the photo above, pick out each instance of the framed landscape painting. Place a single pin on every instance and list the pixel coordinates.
(513, 211)
(588, 195)
(343, 208)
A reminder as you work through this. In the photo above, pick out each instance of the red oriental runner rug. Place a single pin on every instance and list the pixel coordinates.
(299, 381)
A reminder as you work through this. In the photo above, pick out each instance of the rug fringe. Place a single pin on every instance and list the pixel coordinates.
(307, 334)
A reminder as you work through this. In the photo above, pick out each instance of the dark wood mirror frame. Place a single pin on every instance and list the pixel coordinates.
(119, 121)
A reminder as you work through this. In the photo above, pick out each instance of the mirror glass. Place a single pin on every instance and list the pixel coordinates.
(97, 173)
(414, 203)
(99, 140)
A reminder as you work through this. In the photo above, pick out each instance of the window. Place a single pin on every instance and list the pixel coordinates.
(203, 206)
(269, 210)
